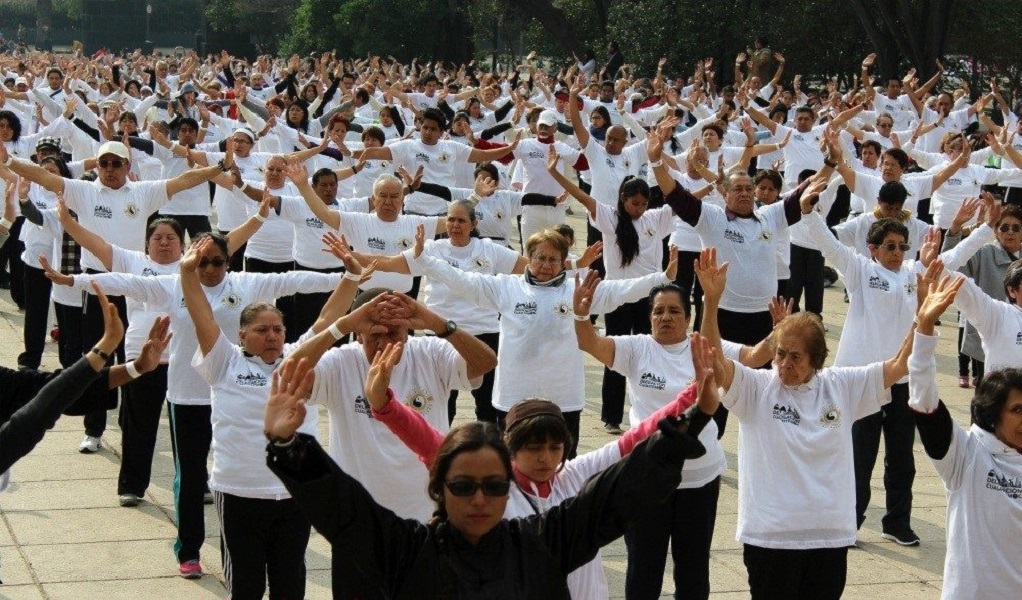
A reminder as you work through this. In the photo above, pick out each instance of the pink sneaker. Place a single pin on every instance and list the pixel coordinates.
(191, 569)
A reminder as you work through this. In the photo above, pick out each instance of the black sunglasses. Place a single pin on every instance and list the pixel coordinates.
(463, 488)
(113, 164)
(1005, 228)
(215, 262)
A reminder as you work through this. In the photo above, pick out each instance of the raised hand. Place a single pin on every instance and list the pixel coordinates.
(378, 377)
(485, 185)
(285, 408)
(779, 309)
(53, 275)
(590, 254)
(671, 271)
(712, 278)
(703, 363)
(193, 256)
(159, 337)
(965, 213)
(940, 294)
(582, 298)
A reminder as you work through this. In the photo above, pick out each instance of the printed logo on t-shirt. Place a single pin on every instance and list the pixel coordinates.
(482, 263)
(787, 414)
(404, 243)
(954, 181)
(734, 236)
(443, 157)
(652, 381)
(526, 308)
(536, 154)
(231, 300)
(362, 406)
(422, 157)
(563, 309)
(830, 416)
(131, 210)
(313, 223)
(499, 214)
(376, 243)
(879, 283)
(149, 272)
(420, 400)
(1018, 338)
(102, 212)
(765, 235)
(252, 380)
(1012, 487)
(650, 232)
(910, 287)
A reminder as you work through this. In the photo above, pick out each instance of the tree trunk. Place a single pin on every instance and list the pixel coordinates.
(44, 13)
(915, 29)
(553, 20)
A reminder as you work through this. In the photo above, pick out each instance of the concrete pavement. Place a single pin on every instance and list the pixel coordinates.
(62, 534)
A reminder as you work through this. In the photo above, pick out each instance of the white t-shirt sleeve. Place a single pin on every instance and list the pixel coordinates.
(213, 366)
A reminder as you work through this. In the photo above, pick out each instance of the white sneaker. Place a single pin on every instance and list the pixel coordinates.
(90, 445)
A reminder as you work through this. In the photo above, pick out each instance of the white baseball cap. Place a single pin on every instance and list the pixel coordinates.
(548, 117)
(115, 148)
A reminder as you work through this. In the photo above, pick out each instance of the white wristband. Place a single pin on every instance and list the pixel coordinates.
(259, 217)
(5, 223)
(574, 264)
(335, 331)
(352, 276)
(9, 160)
(244, 186)
(132, 371)
(654, 165)
(474, 198)
(579, 317)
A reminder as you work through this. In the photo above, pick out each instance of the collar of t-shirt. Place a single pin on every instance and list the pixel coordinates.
(258, 361)
(531, 487)
(732, 215)
(555, 282)
(808, 386)
(993, 445)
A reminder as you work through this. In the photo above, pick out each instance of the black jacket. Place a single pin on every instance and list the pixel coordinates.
(376, 554)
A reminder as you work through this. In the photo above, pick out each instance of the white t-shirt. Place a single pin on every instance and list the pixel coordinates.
(369, 234)
(919, 187)
(608, 171)
(966, 183)
(275, 239)
(308, 234)
(35, 237)
(429, 370)
(140, 316)
(439, 163)
(656, 373)
(118, 216)
(538, 354)
(193, 201)
(240, 387)
(653, 226)
(479, 256)
(231, 205)
(801, 153)
(999, 324)
(853, 233)
(796, 476)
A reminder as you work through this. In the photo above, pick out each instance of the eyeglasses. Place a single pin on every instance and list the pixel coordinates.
(546, 260)
(1005, 228)
(216, 263)
(464, 488)
(891, 247)
(110, 164)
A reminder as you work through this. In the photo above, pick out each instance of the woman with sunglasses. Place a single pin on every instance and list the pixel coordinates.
(263, 534)
(139, 416)
(187, 393)
(882, 306)
(987, 268)
(471, 547)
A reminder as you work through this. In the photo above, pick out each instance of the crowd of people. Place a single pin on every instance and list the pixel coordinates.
(283, 217)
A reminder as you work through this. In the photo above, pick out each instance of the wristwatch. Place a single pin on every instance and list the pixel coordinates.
(96, 350)
(448, 331)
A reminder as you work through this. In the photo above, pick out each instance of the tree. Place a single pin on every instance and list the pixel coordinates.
(913, 29)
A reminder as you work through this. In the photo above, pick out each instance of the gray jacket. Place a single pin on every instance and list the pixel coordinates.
(987, 268)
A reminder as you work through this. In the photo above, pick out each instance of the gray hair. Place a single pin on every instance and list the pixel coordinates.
(385, 178)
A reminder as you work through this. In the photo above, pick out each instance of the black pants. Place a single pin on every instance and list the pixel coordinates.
(286, 304)
(92, 331)
(236, 262)
(899, 429)
(307, 306)
(572, 419)
(193, 224)
(964, 360)
(594, 235)
(37, 314)
(483, 395)
(806, 275)
(689, 284)
(10, 255)
(191, 432)
(742, 328)
(629, 318)
(817, 574)
(139, 419)
(923, 210)
(1013, 195)
(686, 520)
(259, 540)
(69, 344)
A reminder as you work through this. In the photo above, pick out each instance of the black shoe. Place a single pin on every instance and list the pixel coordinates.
(901, 535)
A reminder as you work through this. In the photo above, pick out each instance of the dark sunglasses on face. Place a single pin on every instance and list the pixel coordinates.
(464, 488)
(216, 263)
(110, 164)
(1012, 227)
(891, 247)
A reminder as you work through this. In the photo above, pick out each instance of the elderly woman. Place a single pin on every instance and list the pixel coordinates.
(796, 498)
(468, 549)
(536, 332)
(981, 467)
